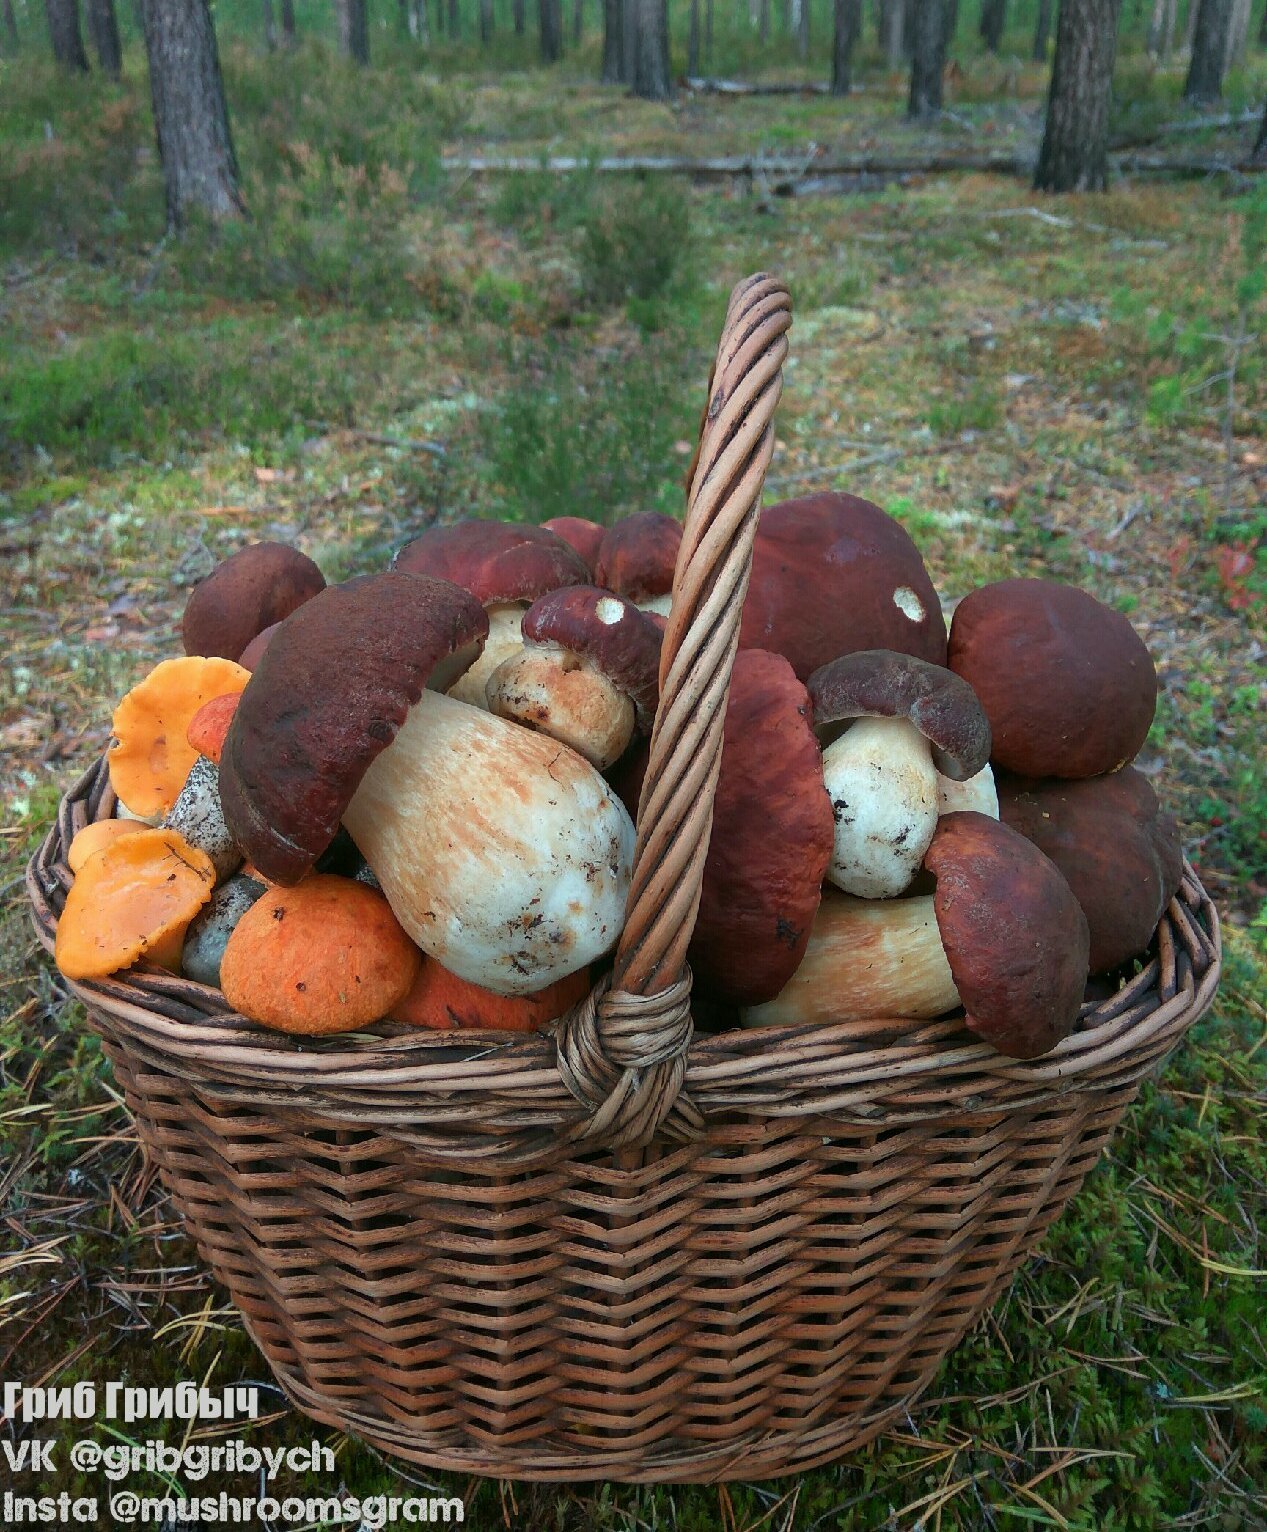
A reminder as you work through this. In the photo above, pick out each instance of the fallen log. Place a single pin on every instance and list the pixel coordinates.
(703, 87)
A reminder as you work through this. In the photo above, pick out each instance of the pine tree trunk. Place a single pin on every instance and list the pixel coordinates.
(354, 31)
(1156, 24)
(190, 118)
(486, 22)
(650, 72)
(1209, 52)
(802, 30)
(1168, 30)
(419, 22)
(8, 27)
(520, 20)
(289, 36)
(847, 20)
(548, 13)
(1237, 33)
(928, 59)
(993, 21)
(1075, 151)
(1042, 32)
(64, 34)
(614, 42)
(103, 28)
(708, 33)
(952, 22)
(1262, 32)
(578, 21)
(894, 12)
(763, 21)
(1260, 143)
(692, 42)
(455, 19)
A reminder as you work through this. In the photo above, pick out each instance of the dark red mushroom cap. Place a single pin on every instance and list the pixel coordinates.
(879, 683)
(612, 634)
(1066, 682)
(495, 560)
(327, 697)
(637, 556)
(584, 536)
(832, 574)
(1117, 849)
(771, 842)
(250, 656)
(1014, 935)
(252, 589)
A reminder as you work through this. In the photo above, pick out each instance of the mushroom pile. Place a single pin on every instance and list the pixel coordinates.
(410, 795)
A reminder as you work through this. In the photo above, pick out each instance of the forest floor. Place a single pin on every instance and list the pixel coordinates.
(1032, 385)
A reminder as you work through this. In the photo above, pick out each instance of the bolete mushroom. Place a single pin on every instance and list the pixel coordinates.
(771, 838)
(636, 559)
(1118, 851)
(588, 672)
(325, 956)
(504, 855)
(585, 536)
(908, 724)
(440, 999)
(210, 724)
(197, 815)
(209, 933)
(832, 574)
(249, 591)
(506, 567)
(1066, 682)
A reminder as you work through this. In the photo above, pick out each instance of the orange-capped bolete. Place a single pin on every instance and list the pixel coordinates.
(441, 1000)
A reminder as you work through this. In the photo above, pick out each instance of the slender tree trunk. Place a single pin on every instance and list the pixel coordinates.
(64, 34)
(708, 33)
(551, 30)
(847, 19)
(1262, 31)
(894, 12)
(802, 30)
(455, 19)
(578, 21)
(692, 42)
(928, 59)
(1190, 24)
(763, 21)
(8, 27)
(1168, 30)
(270, 26)
(1209, 52)
(629, 39)
(354, 30)
(614, 42)
(190, 118)
(1075, 151)
(1156, 27)
(1237, 33)
(103, 28)
(993, 21)
(952, 22)
(1260, 143)
(419, 22)
(486, 22)
(650, 72)
(1042, 31)
(517, 13)
(289, 36)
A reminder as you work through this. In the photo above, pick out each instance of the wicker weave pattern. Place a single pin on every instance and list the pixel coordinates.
(627, 1253)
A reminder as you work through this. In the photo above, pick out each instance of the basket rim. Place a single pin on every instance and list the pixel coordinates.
(457, 1089)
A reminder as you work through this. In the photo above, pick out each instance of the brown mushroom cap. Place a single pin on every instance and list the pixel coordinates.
(252, 589)
(1015, 937)
(608, 632)
(1117, 849)
(1066, 682)
(637, 556)
(331, 690)
(496, 561)
(250, 656)
(585, 536)
(880, 683)
(771, 841)
(832, 574)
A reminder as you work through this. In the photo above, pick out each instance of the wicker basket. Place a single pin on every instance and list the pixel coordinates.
(619, 1252)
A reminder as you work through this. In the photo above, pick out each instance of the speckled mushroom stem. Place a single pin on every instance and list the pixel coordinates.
(623, 1054)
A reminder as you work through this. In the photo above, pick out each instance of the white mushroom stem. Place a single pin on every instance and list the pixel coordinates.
(977, 795)
(883, 789)
(505, 637)
(504, 855)
(556, 692)
(865, 959)
(663, 605)
(199, 819)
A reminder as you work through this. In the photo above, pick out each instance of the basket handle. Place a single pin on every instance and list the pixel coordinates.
(622, 1051)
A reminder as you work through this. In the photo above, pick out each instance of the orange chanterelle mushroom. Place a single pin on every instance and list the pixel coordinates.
(133, 899)
(153, 756)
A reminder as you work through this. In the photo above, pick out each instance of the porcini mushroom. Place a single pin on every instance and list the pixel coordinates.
(585, 536)
(588, 672)
(909, 724)
(771, 838)
(636, 559)
(832, 574)
(325, 956)
(506, 567)
(1117, 849)
(151, 757)
(249, 591)
(504, 855)
(1066, 682)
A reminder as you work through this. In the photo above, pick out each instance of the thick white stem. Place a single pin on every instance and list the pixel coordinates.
(977, 795)
(505, 637)
(552, 690)
(865, 958)
(883, 789)
(504, 855)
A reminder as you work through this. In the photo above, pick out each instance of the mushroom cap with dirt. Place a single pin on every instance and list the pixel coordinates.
(504, 855)
(1067, 684)
(832, 574)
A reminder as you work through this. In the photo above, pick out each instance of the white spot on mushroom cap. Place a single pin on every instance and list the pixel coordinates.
(609, 611)
(908, 603)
